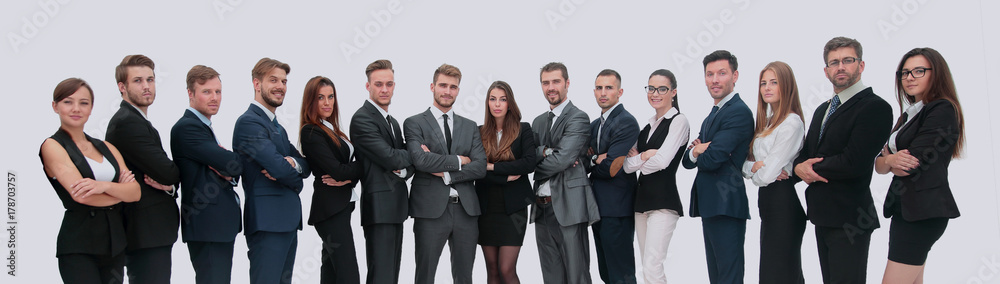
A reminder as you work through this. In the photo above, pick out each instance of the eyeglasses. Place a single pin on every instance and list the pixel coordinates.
(846, 61)
(661, 89)
(916, 72)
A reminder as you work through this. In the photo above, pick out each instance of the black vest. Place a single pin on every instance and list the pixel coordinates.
(658, 190)
(87, 229)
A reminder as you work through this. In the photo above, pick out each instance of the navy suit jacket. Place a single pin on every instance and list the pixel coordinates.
(271, 205)
(718, 188)
(615, 195)
(210, 208)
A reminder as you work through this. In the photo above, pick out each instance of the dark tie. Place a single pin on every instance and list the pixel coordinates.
(709, 119)
(388, 120)
(901, 122)
(834, 104)
(548, 127)
(277, 125)
(447, 132)
(600, 131)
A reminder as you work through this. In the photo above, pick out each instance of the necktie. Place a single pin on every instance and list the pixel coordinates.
(901, 122)
(600, 130)
(548, 128)
(278, 125)
(834, 103)
(447, 132)
(388, 120)
(709, 119)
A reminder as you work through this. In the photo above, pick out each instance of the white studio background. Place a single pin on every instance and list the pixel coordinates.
(50, 40)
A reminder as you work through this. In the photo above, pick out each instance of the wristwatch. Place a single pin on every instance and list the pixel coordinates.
(593, 160)
(548, 151)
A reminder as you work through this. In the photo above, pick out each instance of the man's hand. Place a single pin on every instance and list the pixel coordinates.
(489, 166)
(290, 161)
(601, 157)
(805, 171)
(694, 143)
(756, 166)
(647, 154)
(327, 180)
(441, 175)
(700, 148)
(513, 178)
(465, 160)
(152, 183)
(422, 146)
(590, 151)
(220, 175)
(268, 175)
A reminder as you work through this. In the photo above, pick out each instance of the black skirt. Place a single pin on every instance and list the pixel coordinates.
(496, 227)
(909, 242)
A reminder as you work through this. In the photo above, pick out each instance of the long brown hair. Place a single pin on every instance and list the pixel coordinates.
(788, 102)
(496, 152)
(310, 111)
(942, 87)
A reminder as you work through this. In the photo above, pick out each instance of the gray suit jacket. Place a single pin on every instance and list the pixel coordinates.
(429, 193)
(572, 198)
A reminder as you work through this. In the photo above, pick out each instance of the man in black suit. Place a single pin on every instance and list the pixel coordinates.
(444, 204)
(387, 165)
(151, 223)
(611, 136)
(844, 137)
(210, 207)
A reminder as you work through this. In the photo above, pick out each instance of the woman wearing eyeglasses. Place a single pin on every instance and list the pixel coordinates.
(90, 178)
(657, 203)
(778, 138)
(928, 135)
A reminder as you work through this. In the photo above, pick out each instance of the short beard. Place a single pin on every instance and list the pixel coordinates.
(271, 102)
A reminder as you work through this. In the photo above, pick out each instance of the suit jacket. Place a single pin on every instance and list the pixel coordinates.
(615, 195)
(210, 208)
(271, 205)
(380, 151)
(572, 199)
(326, 158)
(854, 135)
(517, 194)
(925, 193)
(718, 187)
(429, 195)
(153, 220)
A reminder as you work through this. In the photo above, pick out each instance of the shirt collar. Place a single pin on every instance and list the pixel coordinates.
(607, 113)
(559, 108)
(437, 113)
(270, 115)
(327, 124)
(914, 109)
(380, 110)
(725, 99)
(849, 93)
(139, 110)
(200, 116)
(669, 113)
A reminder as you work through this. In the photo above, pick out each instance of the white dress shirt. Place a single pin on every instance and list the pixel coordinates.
(439, 115)
(911, 112)
(677, 137)
(845, 95)
(544, 189)
(778, 151)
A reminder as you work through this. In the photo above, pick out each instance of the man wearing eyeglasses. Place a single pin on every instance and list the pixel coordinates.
(611, 136)
(719, 195)
(844, 137)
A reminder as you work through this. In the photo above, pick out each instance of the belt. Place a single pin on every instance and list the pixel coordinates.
(544, 199)
(453, 199)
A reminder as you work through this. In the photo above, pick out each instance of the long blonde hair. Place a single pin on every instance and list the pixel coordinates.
(788, 102)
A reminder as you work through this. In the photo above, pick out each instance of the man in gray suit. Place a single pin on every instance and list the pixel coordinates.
(565, 205)
(448, 156)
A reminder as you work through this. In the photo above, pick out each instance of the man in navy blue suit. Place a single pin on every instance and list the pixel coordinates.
(210, 208)
(272, 178)
(719, 195)
(612, 134)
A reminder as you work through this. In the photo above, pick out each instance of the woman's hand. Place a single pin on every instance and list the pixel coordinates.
(513, 178)
(902, 160)
(756, 166)
(86, 187)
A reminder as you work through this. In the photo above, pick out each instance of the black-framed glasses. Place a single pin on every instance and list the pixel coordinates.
(916, 72)
(846, 61)
(661, 89)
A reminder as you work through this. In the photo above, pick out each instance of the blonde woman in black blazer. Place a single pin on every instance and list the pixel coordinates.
(927, 136)
(331, 157)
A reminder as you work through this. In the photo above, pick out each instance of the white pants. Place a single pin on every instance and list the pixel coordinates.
(656, 227)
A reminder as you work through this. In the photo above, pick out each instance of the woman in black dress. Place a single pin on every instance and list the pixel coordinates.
(331, 156)
(505, 192)
(90, 178)
(928, 135)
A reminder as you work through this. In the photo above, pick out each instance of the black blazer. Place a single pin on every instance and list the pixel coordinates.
(517, 194)
(154, 219)
(854, 135)
(210, 206)
(384, 197)
(326, 158)
(930, 136)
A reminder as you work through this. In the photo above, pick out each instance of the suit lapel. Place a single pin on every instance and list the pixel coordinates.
(605, 132)
(559, 123)
(843, 108)
(383, 126)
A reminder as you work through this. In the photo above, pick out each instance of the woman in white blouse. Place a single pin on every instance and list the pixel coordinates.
(778, 138)
(657, 204)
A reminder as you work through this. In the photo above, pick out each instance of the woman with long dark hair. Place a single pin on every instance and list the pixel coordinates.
(657, 202)
(505, 192)
(778, 138)
(930, 133)
(90, 178)
(331, 157)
